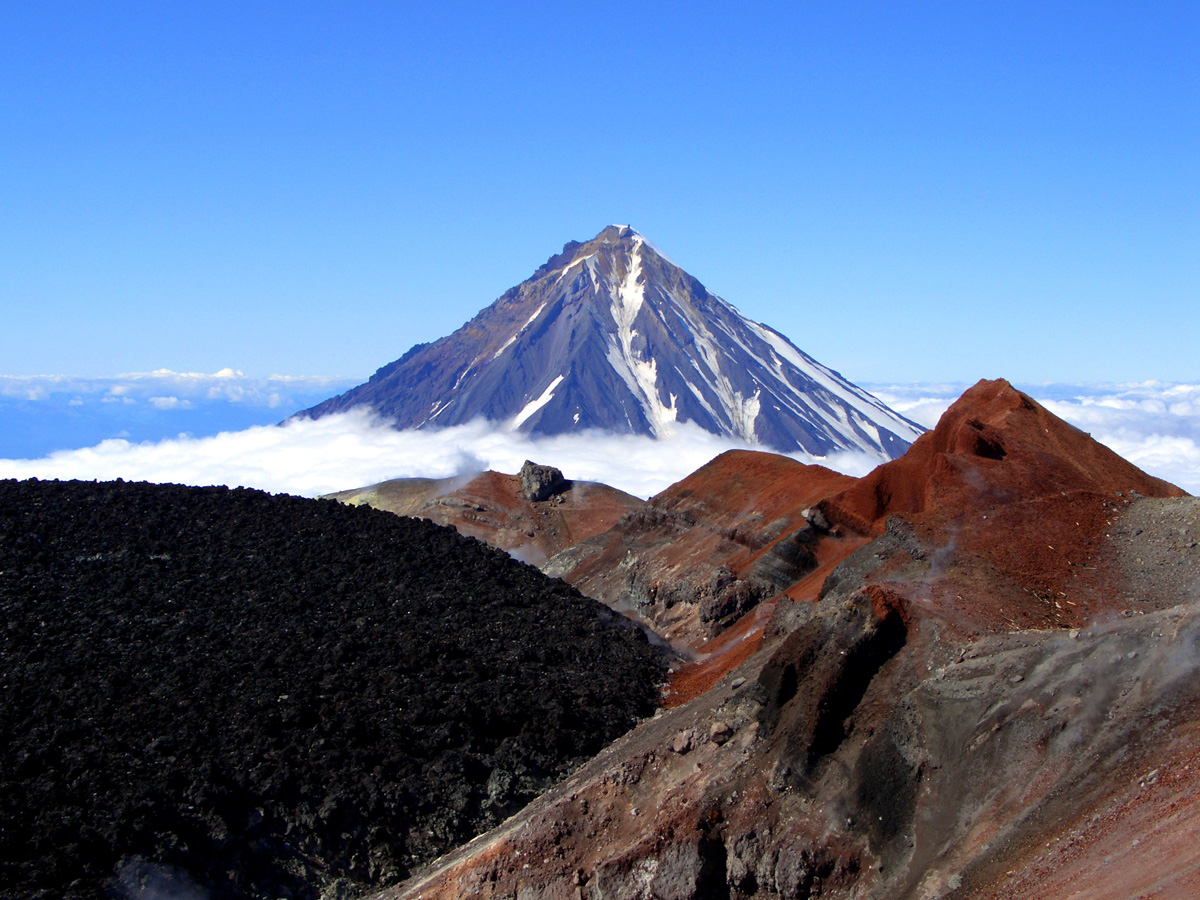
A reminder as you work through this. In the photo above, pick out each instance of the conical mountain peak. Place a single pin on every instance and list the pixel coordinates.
(611, 334)
(610, 254)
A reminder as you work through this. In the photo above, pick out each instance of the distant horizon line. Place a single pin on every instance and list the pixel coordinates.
(229, 373)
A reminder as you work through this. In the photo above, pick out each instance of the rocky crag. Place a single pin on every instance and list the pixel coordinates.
(533, 515)
(702, 554)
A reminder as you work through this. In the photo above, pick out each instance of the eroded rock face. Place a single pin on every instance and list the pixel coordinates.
(709, 549)
(868, 755)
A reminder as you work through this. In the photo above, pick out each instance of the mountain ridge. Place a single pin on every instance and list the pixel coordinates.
(984, 686)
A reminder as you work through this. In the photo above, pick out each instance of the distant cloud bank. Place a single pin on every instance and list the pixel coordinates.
(229, 385)
(348, 450)
(40, 414)
(1154, 425)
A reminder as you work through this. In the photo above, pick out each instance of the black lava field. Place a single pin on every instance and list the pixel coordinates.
(214, 693)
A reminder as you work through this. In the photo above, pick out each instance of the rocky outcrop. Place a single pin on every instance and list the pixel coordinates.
(540, 483)
(993, 444)
(496, 509)
(710, 548)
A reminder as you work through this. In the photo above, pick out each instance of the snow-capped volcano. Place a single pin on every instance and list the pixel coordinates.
(611, 334)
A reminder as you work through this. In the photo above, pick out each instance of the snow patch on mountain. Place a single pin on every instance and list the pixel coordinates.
(575, 262)
(639, 373)
(534, 405)
(843, 390)
(519, 332)
(629, 295)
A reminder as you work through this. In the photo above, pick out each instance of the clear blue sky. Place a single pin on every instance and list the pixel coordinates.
(917, 191)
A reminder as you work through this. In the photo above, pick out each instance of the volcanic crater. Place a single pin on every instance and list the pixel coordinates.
(982, 683)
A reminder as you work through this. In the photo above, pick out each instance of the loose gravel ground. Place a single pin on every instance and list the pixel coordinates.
(1157, 544)
(222, 693)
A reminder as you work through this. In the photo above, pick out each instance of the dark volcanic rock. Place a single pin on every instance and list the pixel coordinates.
(541, 482)
(221, 693)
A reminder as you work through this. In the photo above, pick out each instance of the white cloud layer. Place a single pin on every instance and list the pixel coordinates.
(312, 457)
(1156, 426)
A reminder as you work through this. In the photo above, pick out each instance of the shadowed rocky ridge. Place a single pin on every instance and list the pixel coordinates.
(986, 688)
(226, 694)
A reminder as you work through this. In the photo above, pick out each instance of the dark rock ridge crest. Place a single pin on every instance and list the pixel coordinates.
(610, 334)
(226, 694)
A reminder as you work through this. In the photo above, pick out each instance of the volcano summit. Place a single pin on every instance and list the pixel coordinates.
(611, 334)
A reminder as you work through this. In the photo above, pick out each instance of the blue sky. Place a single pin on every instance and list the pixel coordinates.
(911, 192)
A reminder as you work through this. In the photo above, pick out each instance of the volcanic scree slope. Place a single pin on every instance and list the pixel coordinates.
(267, 697)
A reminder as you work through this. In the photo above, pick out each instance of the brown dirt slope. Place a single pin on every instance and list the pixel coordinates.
(997, 695)
(491, 507)
(1011, 506)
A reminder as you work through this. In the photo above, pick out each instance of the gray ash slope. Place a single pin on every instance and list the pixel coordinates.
(611, 334)
(229, 694)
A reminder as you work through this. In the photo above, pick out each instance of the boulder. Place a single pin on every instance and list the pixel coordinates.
(541, 482)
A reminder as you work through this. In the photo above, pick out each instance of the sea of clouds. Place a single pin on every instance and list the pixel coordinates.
(1155, 425)
(311, 457)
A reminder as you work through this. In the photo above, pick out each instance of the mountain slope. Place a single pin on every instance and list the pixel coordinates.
(611, 334)
(492, 507)
(238, 696)
(994, 695)
(710, 548)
